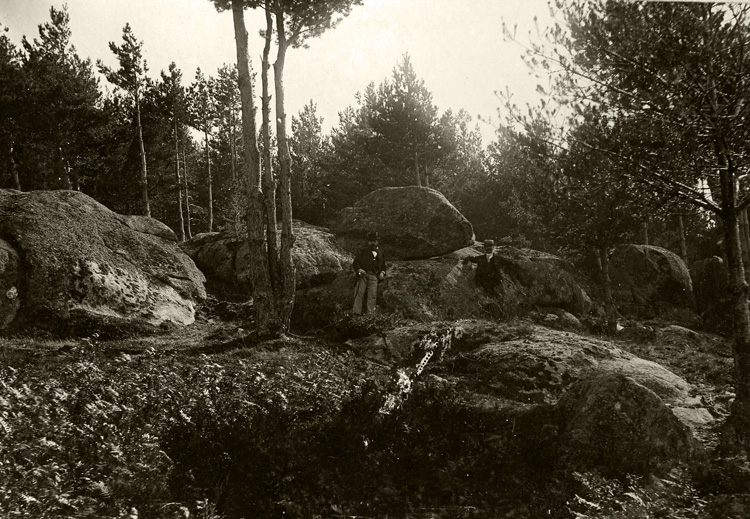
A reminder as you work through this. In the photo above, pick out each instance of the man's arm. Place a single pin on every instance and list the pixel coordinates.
(471, 259)
(381, 265)
(357, 262)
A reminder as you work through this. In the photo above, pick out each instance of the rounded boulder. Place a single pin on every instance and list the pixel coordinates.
(412, 222)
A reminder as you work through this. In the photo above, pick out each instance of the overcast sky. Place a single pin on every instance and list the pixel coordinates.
(457, 47)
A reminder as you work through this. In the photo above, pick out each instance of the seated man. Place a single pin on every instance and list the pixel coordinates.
(369, 265)
(487, 275)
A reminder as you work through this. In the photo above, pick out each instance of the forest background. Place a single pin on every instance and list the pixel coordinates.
(67, 127)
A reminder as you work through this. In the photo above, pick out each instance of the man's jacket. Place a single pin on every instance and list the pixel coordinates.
(487, 274)
(365, 261)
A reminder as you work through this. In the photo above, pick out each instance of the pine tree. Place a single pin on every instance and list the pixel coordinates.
(295, 22)
(62, 106)
(203, 115)
(131, 77)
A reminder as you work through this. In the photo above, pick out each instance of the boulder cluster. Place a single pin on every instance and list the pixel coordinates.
(69, 264)
(66, 259)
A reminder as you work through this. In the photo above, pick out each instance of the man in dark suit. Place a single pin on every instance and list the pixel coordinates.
(369, 265)
(487, 275)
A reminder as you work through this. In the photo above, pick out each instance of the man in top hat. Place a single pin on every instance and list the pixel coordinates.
(369, 265)
(487, 275)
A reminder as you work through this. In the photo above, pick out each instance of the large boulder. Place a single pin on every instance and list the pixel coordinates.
(614, 422)
(443, 288)
(83, 266)
(528, 362)
(148, 225)
(548, 280)
(413, 223)
(225, 260)
(649, 280)
(604, 407)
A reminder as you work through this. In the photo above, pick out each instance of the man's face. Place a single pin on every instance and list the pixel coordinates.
(488, 249)
(373, 244)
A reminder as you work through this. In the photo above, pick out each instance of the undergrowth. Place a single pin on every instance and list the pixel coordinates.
(293, 431)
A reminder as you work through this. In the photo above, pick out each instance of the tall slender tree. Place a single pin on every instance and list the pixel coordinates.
(203, 115)
(174, 103)
(295, 22)
(230, 200)
(131, 77)
(308, 147)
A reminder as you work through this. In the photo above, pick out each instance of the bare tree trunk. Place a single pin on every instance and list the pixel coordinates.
(232, 144)
(745, 240)
(739, 420)
(683, 241)
(68, 180)
(269, 182)
(75, 179)
(63, 180)
(210, 182)
(187, 193)
(179, 180)
(644, 231)
(266, 315)
(606, 281)
(286, 303)
(416, 169)
(146, 208)
(15, 182)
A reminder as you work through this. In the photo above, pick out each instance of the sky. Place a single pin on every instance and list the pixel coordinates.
(456, 47)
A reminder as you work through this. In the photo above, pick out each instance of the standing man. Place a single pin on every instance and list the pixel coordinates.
(487, 275)
(369, 265)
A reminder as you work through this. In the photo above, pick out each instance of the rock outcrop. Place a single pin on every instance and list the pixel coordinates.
(225, 260)
(443, 288)
(647, 280)
(548, 280)
(605, 408)
(83, 267)
(413, 223)
(615, 423)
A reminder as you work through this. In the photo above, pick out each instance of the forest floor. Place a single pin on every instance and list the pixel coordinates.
(312, 447)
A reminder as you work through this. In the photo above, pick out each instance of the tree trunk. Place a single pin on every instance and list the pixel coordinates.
(232, 144)
(266, 316)
(683, 242)
(416, 169)
(15, 182)
(210, 182)
(269, 182)
(606, 281)
(187, 193)
(644, 230)
(179, 180)
(739, 420)
(63, 180)
(143, 181)
(286, 303)
(745, 240)
(75, 179)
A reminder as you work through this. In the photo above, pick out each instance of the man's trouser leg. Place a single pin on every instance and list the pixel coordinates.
(359, 294)
(372, 292)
